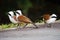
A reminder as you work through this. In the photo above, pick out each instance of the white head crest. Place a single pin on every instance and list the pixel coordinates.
(19, 11)
(11, 12)
(53, 15)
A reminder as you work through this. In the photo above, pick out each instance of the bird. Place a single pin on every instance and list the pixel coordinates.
(52, 19)
(12, 18)
(49, 19)
(22, 18)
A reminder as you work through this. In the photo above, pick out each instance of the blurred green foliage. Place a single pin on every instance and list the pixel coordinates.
(5, 26)
(24, 5)
(31, 8)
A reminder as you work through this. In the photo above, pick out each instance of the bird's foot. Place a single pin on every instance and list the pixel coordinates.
(35, 27)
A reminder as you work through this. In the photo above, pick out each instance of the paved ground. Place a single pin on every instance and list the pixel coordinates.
(42, 33)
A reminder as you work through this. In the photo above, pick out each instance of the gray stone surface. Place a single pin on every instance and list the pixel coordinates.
(32, 34)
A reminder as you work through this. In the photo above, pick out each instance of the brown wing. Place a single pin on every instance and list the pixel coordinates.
(23, 18)
(46, 16)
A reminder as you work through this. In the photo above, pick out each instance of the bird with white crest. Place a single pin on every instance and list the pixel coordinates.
(52, 19)
(21, 18)
(12, 17)
(49, 19)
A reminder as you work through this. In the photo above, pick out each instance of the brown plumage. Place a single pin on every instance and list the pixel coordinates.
(15, 18)
(24, 19)
(46, 16)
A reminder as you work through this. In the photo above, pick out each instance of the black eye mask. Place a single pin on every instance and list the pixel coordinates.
(53, 17)
(9, 14)
(17, 13)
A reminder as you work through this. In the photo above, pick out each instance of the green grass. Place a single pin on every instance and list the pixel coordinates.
(11, 25)
(5, 26)
(38, 21)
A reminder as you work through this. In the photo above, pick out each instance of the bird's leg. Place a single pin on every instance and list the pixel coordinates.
(24, 25)
(52, 25)
(18, 26)
(35, 25)
(49, 25)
